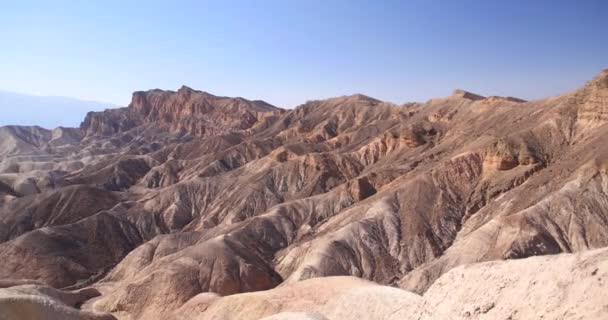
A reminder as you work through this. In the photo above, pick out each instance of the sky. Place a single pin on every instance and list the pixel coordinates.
(287, 52)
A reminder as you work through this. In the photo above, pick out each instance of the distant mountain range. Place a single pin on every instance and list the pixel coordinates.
(45, 111)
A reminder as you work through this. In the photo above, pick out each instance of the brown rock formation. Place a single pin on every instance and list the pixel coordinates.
(185, 111)
(185, 195)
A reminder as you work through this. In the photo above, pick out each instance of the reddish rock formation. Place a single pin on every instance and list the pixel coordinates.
(186, 111)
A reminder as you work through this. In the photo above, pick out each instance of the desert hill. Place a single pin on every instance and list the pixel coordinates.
(189, 205)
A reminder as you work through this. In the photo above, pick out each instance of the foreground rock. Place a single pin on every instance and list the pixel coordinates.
(326, 298)
(566, 286)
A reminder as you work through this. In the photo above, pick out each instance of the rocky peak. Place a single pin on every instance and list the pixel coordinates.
(362, 97)
(600, 81)
(185, 110)
(354, 99)
(591, 100)
(505, 99)
(459, 93)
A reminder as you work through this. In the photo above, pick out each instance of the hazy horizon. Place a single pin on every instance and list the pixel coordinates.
(45, 111)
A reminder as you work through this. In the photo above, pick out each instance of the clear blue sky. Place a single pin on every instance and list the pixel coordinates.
(287, 52)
